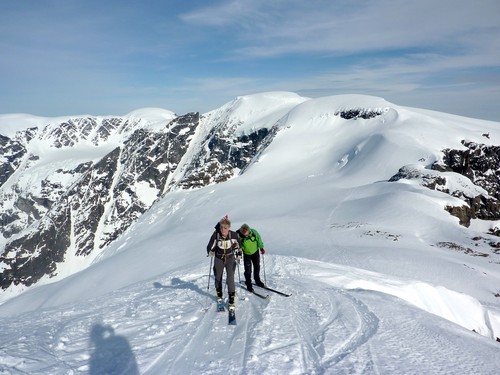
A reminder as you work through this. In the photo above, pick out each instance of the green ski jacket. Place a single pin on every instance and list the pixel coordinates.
(251, 243)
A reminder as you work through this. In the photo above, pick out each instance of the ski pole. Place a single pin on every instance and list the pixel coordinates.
(264, 267)
(208, 284)
(239, 280)
(239, 276)
(209, 274)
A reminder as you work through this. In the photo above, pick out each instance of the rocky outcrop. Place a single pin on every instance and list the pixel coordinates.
(11, 154)
(481, 164)
(97, 131)
(357, 113)
(222, 157)
(479, 169)
(478, 162)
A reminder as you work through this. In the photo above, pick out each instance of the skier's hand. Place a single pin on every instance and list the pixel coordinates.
(211, 253)
(262, 251)
(238, 255)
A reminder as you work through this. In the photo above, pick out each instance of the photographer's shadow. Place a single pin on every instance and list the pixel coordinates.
(112, 353)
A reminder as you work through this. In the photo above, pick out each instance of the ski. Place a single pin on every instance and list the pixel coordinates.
(267, 296)
(220, 305)
(232, 316)
(274, 290)
(263, 296)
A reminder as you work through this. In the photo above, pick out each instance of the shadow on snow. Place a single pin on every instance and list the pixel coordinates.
(111, 354)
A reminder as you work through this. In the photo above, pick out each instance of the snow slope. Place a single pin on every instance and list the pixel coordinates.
(323, 328)
(373, 293)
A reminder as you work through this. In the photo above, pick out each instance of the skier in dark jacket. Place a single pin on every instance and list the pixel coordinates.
(225, 246)
(252, 246)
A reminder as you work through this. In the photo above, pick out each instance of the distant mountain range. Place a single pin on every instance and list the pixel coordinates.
(70, 187)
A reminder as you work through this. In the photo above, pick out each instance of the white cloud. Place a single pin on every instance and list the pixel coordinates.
(278, 28)
(74, 54)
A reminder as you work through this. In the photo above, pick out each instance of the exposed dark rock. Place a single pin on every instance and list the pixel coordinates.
(428, 179)
(480, 164)
(11, 154)
(50, 243)
(71, 132)
(355, 113)
(226, 156)
(460, 248)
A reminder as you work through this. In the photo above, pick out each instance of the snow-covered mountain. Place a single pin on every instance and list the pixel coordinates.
(382, 220)
(72, 187)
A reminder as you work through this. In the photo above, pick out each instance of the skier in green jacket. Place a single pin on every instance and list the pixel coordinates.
(252, 246)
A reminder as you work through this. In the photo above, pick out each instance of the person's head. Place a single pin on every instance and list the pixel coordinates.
(225, 225)
(245, 230)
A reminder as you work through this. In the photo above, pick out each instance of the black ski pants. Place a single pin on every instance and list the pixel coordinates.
(248, 262)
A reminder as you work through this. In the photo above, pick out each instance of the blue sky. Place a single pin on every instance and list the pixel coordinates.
(111, 57)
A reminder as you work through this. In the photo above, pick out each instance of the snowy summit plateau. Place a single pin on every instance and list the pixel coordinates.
(381, 221)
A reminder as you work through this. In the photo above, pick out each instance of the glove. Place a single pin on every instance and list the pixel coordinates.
(211, 253)
(262, 251)
(238, 255)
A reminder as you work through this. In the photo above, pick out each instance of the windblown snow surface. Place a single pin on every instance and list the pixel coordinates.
(372, 293)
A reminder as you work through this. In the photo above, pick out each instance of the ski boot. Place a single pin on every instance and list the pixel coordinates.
(231, 300)
(260, 283)
(220, 301)
(249, 286)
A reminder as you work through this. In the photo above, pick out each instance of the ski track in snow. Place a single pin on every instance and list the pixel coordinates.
(320, 329)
